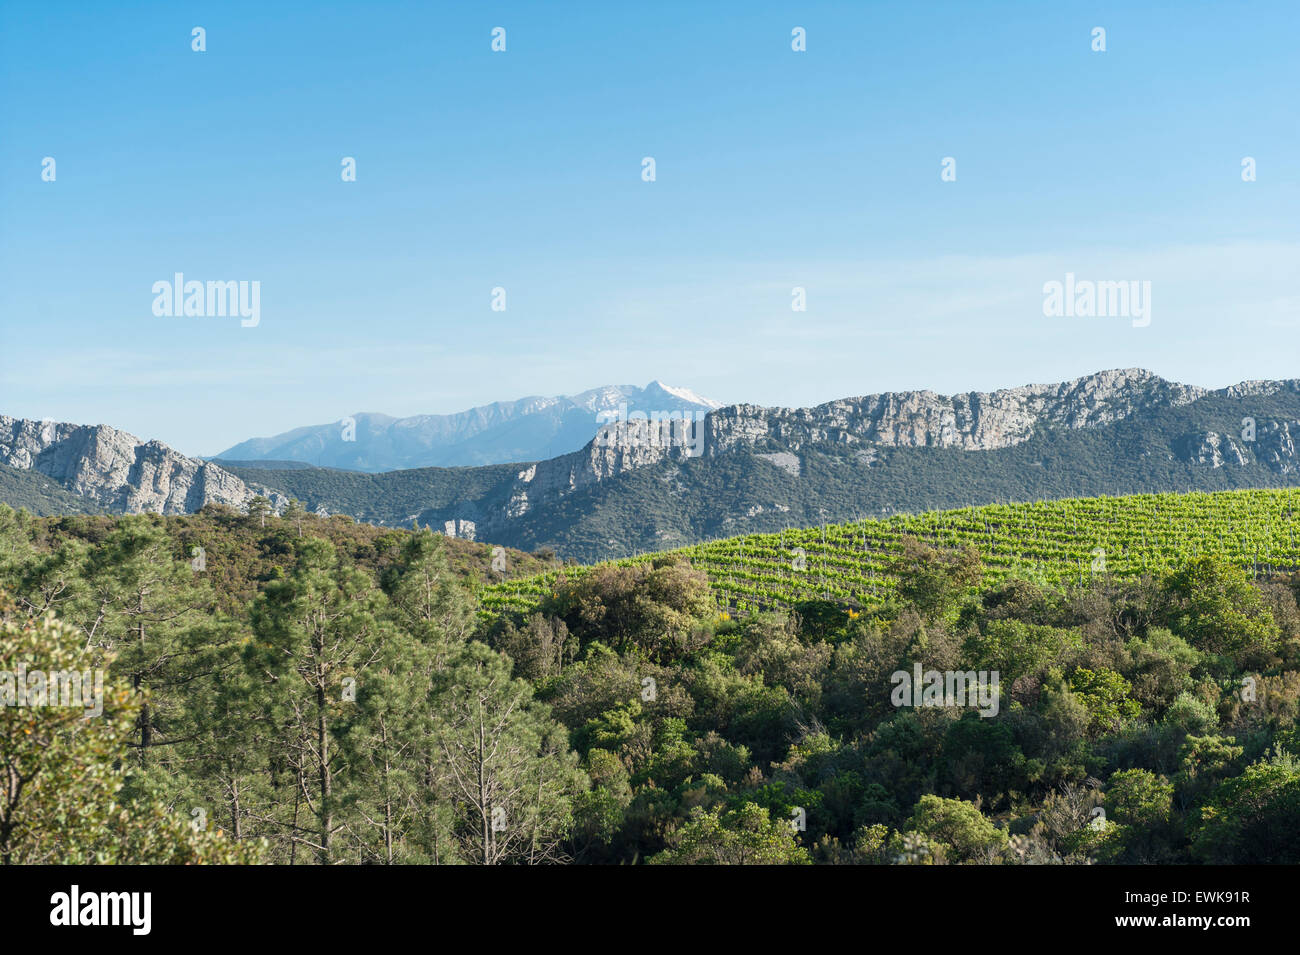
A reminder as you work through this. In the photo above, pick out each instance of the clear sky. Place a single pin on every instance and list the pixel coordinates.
(523, 170)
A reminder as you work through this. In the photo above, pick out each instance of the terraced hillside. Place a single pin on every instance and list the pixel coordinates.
(1055, 542)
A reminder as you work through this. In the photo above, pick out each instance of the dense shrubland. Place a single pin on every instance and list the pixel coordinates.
(321, 692)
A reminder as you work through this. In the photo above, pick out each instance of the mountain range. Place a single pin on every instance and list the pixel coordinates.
(529, 429)
(649, 484)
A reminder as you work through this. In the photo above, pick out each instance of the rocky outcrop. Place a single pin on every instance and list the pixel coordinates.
(1211, 449)
(1270, 443)
(1274, 445)
(118, 471)
(618, 447)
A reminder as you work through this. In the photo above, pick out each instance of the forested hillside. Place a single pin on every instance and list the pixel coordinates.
(310, 690)
(429, 496)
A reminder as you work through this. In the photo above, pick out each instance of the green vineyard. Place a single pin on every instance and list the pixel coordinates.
(1052, 542)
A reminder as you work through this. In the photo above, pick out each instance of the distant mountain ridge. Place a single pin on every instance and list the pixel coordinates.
(643, 485)
(648, 484)
(528, 429)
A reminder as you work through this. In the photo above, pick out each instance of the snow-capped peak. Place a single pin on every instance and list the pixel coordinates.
(685, 394)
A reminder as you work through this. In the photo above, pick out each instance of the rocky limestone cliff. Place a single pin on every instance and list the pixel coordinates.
(118, 471)
(617, 447)
(973, 421)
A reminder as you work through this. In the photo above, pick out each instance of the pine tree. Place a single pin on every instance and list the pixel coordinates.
(152, 613)
(313, 629)
(428, 599)
(505, 765)
(259, 507)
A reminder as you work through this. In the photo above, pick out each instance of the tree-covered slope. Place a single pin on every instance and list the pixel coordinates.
(392, 498)
(40, 494)
(317, 691)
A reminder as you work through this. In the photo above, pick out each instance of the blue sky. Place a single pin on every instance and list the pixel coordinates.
(522, 169)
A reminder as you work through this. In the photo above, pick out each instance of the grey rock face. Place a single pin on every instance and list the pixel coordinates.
(1275, 445)
(784, 460)
(1272, 445)
(1210, 448)
(120, 472)
(617, 448)
(973, 422)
